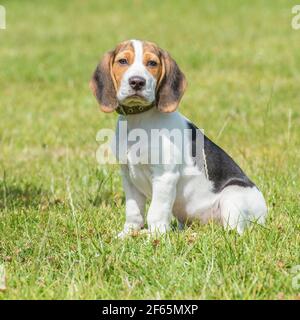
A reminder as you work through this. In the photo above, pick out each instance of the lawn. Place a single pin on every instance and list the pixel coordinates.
(60, 211)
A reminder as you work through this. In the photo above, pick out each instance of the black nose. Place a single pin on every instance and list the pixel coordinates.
(137, 83)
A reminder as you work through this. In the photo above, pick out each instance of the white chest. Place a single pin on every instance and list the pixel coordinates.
(140, 176)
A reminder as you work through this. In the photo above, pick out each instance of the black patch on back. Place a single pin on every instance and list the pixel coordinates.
(221, 168)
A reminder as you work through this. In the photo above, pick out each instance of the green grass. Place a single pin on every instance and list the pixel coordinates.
(60, 211)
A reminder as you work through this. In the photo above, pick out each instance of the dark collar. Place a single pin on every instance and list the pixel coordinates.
(125, 110)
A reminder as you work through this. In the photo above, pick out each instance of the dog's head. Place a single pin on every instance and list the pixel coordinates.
(138, 73)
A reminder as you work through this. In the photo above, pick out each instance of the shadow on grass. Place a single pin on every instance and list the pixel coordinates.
(22, 196)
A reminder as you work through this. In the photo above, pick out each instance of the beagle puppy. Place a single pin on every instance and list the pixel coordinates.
(142, 83)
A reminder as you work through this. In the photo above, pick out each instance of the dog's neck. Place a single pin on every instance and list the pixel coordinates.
(140, 120)
(126, 110)
(153, 118)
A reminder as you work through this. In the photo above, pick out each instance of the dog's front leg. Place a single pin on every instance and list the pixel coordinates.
(135, 205)
(163, 196)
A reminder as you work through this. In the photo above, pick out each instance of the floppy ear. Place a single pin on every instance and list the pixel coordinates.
(102, 84)
(172, 84)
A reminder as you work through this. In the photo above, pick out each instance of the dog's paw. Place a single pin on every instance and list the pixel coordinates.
(123, 234)
(129, 230)
(158, 229)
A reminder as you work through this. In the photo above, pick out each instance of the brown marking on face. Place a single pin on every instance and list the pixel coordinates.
(124, 51)
(107, 78)
(171, 82)
(152, 55)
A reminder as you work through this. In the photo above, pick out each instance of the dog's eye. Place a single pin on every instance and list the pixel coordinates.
(123, 61)
(151, 63)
